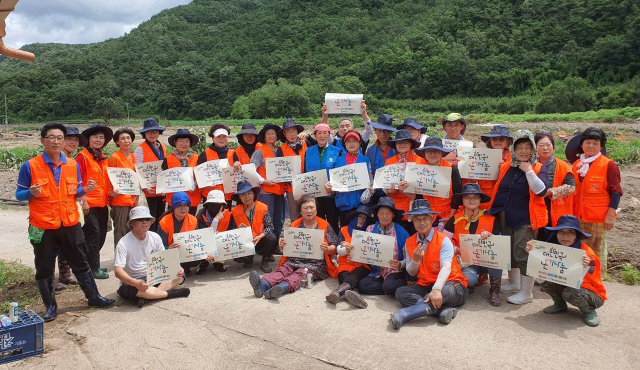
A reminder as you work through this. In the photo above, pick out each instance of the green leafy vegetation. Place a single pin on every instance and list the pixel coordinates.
(17, 284)
(630, 274)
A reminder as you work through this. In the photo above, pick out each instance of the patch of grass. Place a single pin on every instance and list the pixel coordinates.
(630, 274)
(17, 284)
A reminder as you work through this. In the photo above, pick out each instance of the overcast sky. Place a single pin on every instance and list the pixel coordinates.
(78, 21)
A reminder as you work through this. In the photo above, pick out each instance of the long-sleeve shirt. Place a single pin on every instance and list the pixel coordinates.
(24, 177)
(446, 258)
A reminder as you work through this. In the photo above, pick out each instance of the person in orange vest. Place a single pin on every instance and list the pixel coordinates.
(51, 182)
(248, 140)
(254, 214)
(121, 204)
(598, 189)
(93, 166)
(182, 141)
(454, 126)
(214, 214)
(518, 204)
(290, 272)
(152, 150)
(440, 285)
(592, 293)
(219, 149)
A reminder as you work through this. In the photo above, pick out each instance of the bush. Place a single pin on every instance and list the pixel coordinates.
(570, 95)
(240, 108)
(279, 100)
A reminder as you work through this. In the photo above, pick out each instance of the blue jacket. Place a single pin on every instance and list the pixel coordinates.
(401, 239)
(312, 158)
(375, 157)
(346, 201)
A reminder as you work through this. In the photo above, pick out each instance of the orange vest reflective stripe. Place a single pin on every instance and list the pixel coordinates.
(562, 206)
(592, 197)
(537, 209)
(401, 201)
(195, 195)
(242, 155)
(278, 188)
(150, 156)
(430, 264)
(189, 223)
(287, 151)
(485, 223)
(322, 225)
(55, 205)
(98, 197)
(212, 155)
(343, 263)
(257, 226)
(118, 160)
(593, 281)
(442, 205)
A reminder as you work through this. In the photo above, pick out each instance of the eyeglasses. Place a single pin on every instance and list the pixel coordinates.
(55, 138)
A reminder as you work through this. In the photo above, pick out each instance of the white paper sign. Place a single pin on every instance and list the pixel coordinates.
(556, 263)
(162, 266)
(148, 173)
(125, 180)
(303, 243)
(283, 169)
(479, 163)
(456, 144)
(175, 179)
(210, 173)
(493, 252)
(372, 249)
(231, 177)
(196, 245)
(311, 183)
(389, 175)
(428, 180)
(343, 103)
(348, 178)
(234, 243)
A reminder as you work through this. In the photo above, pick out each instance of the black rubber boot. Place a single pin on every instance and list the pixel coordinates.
(335, 295)
(88, 285)
(48, 298)
(405, 314)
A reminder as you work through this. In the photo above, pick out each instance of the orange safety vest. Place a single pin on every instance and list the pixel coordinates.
(486, 186)
(118, 160)
(485, 223)
(194, 195)
(150, 156)
(242, 155)
(278, 188)
(537, 209)
(223, 225)
(189, 223)
(593, 281)
(562, 206)
(212, 155)
(343, 263)
(430, 264)
(287, 151)
(240, 217)
(591, 198)
(442, 205)
(56, 204)
(322, 225)
(401, 201)
(98, 197)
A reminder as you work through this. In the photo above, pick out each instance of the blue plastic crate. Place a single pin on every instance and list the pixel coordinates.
(23, 339)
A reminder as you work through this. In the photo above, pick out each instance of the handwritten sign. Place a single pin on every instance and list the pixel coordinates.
(311, 183)
(556, 263)
(234, 243)
(389, 175)
(303, 243)
(456, 144)
(162, 266)
(343, 103)
(231, 177)
(196, 245)
(175, 179)
(428, 180)
(148, 173)
(210, 173)
(479, 163)
(372, 249)
(283, 169)
(349, 178)
(493, 252)
(125, 180)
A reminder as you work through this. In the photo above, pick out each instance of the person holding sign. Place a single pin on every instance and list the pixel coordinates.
(248, 140)
(251, 213)
(181, 156)
(290, 272)
(498, 138)
(591, 294)
(385, 280)
(346, 125)
(219, 149)
(440, 286)
(471, 219)
(291, 146)
(121, 204)
(132, 253)
(93, 167)
(152, 150)
(454, 126)
(411, 124)
(215, 215)
(380, 151)
(518, 204)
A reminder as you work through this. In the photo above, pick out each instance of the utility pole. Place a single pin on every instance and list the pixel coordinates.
(127, 105)
(6, 113)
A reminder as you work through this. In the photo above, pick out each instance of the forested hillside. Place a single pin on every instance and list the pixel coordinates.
(194, 61)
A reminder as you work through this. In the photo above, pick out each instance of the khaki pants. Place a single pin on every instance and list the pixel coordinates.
(120, 217)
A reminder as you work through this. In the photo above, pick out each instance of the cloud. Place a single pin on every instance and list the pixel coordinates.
(78, 21)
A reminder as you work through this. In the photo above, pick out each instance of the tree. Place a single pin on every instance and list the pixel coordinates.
(108, 109)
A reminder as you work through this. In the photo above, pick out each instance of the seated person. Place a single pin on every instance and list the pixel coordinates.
(214, 214)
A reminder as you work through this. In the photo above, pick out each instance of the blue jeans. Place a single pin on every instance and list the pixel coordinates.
(472, 272)
(275, 203)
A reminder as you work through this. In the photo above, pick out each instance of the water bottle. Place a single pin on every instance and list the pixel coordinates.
(303, 283)
(5, 320)
(441, 226)
(309, 280)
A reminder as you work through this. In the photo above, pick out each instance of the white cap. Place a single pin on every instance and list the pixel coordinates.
(215, 196)
(219, 132)
(140, 212)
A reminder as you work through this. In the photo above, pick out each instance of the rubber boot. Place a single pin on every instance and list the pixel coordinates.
(58, 285)
(405, 314)
(178, 292)
(494, 292)
(88, 285)
(482, 279)
(590, 316)
(248, 262)
(355, 299)
(202, 267)
(514, 282)
(259, 285)
(525, 295)
(264, 265)
(277, 291)
(336, 294)
(65, 276)
(559, 305)
(48, 298)
(99, 274)
(219, 266)
(447, 314)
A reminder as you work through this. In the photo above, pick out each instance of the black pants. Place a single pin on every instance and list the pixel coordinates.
(95, 233)
(327, 210)
(157, 206)
(353, 278)
(266, 246)
(70, 241)
(378, 286)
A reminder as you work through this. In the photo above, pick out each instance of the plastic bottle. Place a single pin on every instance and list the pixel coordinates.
(303, 283)
(309, 280)
(5, 320)
(13, 312)
(441, 226)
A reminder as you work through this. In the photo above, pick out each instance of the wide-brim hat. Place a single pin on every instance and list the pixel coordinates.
(182, 133)
(432, 142)
(243, 187)
(263, 131)
(421, 207)
(387, 203)
(151, 124)
(288, 124)
(574, 149)
(470, 189)
(401, 135)
(452, 117)
(569, 222)
(362, 209)
(138, 213)
(247, 128)
(497, 131)
(73, 131)
(94, 129)
(384, 122)
(215, 196)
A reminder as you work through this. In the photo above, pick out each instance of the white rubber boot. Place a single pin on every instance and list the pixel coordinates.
(514, 282)
(525, 295)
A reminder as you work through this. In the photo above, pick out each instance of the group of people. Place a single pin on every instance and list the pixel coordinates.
(536, 197)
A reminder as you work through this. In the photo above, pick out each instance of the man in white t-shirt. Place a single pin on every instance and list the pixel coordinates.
(132, 253)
